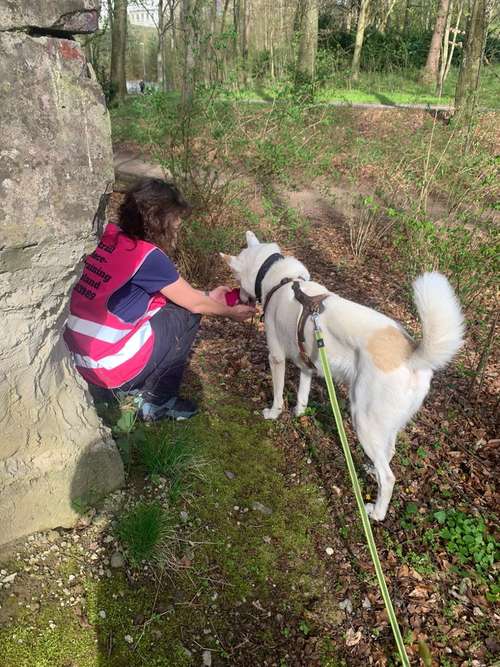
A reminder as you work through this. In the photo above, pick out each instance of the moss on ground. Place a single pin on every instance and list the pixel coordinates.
(247, 551)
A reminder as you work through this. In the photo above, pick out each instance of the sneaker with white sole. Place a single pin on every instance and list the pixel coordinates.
(175, 408)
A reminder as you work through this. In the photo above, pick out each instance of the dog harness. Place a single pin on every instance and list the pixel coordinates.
(107, 350)
(311, 305)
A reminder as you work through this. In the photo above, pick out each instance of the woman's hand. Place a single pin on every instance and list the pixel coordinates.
(219, 294)
(196, 301)
(241, 313)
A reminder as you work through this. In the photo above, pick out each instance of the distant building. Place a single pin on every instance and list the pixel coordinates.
(143, 14)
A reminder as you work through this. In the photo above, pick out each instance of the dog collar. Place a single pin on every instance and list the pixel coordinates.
(272, 259)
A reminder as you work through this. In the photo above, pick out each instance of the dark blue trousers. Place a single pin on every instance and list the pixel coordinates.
(175, 329)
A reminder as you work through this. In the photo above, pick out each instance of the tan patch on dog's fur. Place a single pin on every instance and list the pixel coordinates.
(389, 348)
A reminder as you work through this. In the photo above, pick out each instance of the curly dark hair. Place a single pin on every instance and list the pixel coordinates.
(150, 212)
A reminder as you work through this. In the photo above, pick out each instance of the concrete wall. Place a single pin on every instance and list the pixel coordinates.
(55, 161)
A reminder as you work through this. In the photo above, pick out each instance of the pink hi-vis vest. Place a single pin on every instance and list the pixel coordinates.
(106, 350)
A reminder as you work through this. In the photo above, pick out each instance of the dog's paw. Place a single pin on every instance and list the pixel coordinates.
(271, 413)
(370, 510)
(299, 410)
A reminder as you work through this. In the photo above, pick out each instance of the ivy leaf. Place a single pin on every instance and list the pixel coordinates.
(440, 516)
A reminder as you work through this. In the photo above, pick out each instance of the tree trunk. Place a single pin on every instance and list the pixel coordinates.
(110, 13)
(472, 57)
(118, 48)
(190, 32)
(160, 56)
(244, 38)
(444, 50)
(430, 73)
(453, 44)
(360, 34)
(308, 42)
(385, 18)
(406, 20)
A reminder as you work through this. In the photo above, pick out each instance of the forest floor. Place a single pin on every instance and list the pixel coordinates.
(263, 561)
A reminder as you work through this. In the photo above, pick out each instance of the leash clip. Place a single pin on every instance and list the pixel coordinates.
(318, 334)
(315, 318)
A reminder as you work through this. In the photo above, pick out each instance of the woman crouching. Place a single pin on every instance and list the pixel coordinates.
(133, 318)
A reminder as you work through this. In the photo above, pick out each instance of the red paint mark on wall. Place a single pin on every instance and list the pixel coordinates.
(70, 50)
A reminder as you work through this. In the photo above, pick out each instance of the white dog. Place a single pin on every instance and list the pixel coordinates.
(387, 374)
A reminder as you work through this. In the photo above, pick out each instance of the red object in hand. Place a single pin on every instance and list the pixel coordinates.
(233, 297)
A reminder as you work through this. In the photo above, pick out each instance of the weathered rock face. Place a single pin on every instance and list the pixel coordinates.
(71, 16)
(55, 161)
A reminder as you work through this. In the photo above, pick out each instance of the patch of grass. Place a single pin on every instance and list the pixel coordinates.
(32, 642)
(236, 441)
(385, 87)
(144, 531)
(169, 451)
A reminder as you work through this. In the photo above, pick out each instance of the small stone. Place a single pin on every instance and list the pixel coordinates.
(108, 539)
(102, 613)
(366, 603)
(346, 605)
(85, 520)
(117, 560)
(9, 578)
(35, 606)
(129, 639)
(184, 516)
(259, 507)
(229, 474)
(207, 659)
(492, 645)
(100, 521)
(329, 551)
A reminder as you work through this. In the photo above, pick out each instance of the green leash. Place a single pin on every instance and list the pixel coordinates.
(357, 492)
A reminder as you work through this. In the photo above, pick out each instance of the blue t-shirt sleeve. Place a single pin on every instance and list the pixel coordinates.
(156, 272)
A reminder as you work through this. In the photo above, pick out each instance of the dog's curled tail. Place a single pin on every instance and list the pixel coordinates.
(442, 321)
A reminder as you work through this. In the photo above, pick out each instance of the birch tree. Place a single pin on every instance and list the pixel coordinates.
(360, 35)
(448, 48)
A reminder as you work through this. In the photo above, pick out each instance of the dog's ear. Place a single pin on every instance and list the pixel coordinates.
(232, 261)
(252, 239)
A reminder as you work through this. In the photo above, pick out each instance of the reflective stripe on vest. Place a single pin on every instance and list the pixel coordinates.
(135, 343)
(99, 331)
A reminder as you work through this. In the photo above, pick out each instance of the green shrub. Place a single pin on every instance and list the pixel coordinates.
(145, 532)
